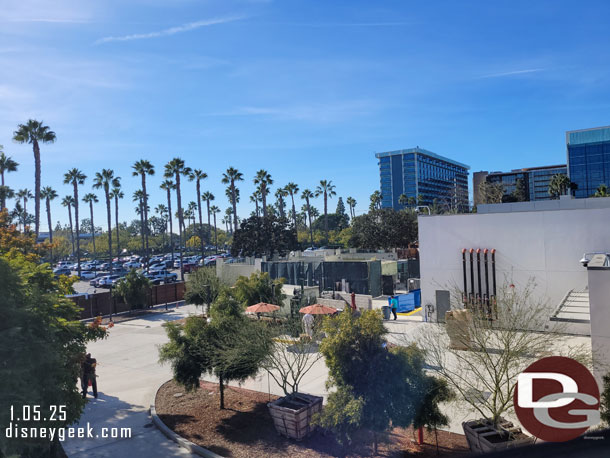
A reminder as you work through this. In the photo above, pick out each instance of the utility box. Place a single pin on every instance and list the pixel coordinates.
(443, 305)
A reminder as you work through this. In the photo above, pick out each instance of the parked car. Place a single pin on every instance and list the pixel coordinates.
(106, 281)
(131, 265)
(104, 266)
(165, 275)
(190, 267)
(61, 271)
(87, 274)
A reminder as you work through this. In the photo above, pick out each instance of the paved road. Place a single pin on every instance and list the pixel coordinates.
(128, 375)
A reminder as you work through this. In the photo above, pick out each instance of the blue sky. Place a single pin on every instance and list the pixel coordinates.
(305, 89)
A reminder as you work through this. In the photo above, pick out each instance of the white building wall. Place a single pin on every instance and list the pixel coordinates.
(599, 300)
(543, 245)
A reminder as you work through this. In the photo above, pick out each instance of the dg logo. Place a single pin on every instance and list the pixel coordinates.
(557, 399)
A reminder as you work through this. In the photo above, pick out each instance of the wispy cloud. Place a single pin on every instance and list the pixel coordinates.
(513, 73)
(171, 31)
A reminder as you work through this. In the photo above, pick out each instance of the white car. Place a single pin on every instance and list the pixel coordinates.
(88, 275)
(131, 265)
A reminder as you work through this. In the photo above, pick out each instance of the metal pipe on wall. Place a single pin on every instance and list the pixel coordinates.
(493, 276)
(480, 291)
(471, 276)
(465, 295)
(485, 251)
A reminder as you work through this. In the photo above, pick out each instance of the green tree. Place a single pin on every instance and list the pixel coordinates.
(264, 180)
(35, 132)
(601, 191)
(375, 201)
(491, 193)
(403, 200)
(520, 194)
(168, 185)
(230, 177)
(75, 177)
(232, 347)
(133, 289)
(90, 199)
(604, 405)
(138, 197)
(559, 185)
(203, 286)
(48, 194)
(293, 189)
(280, 195)
(142, 168)
(307, 195)
(208, 197)
(326, 188)
(116, 194)
(215, 210)
(264, 236)
(24, 194)
(351, 203)
(104, 180)
(7, 164)
(68, 202)
(385, 229)
(199, 175)
(259, 287)
(176, 169)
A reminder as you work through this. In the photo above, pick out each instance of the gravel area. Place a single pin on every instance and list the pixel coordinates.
(245, 429)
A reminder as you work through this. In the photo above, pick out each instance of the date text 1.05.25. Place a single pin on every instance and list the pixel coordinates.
(38, 413)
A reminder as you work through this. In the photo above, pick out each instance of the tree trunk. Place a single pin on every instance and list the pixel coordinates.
(171, 224)
(294, 212)
(92, 226)
(118, 240)
(2, 199)
(264, 198)
(71, 228)
(256, 203)
(180, 222)
(326, 214)
(310, 228)
(142, 235)
(234, 198)
(200, 219)
(209, 226)
(36, 148)
(222, 392)
(109, 222)
(77, 226)
(215, 234)
(145, 221)
(48, 204)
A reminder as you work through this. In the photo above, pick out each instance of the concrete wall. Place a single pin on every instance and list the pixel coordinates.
(229, 273)
(545, 245)
(599, 300)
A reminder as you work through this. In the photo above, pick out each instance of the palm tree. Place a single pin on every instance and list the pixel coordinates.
(48, 194)
(116, 194)
(228, 213)
(403, 200)
(68, 202)
(35, 132)
(208, 197)
(226, 222)
(263, 179)
(104, 180)
(375, 200)
(7, 164)
(143, 168)
(91, 198)
(601, 191)
(215, 210)
(175, 169)
(138, 196)
(412, 201)
(75, 177)
(231, 176)
(191, 207)
(254, 198)
(24, 194)
(559, 185)
(199, 175)
(327, 189)
(351, 203)
(168, 185)
(280, 195)
(161, 210)
(307, 195)
(5, 193)
(293, 189)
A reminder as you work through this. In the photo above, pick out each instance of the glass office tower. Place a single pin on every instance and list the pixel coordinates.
(588, 159)
(424, 177)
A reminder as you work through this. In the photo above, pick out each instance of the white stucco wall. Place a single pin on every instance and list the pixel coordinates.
(543, 245)
(599, 300)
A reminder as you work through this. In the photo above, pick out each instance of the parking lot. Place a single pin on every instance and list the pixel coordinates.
(83, 286)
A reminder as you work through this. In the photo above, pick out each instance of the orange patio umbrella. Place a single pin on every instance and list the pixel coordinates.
(318, 309)
(262, 307)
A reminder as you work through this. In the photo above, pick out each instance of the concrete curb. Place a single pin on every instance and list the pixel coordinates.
(181, 441)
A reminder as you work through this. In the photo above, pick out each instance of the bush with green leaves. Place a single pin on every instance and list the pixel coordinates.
(202, 286)
(133, 289)
(259, 287)
(604, 406)
(230, 346)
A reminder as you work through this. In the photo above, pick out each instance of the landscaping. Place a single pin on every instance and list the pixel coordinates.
(245, 428)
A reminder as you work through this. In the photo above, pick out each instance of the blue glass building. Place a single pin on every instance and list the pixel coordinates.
(424, 177)
(588, 159)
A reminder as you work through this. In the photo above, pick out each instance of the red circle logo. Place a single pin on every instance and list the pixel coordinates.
(556, 399)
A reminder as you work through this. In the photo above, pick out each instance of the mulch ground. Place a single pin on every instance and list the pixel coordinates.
(245, 429)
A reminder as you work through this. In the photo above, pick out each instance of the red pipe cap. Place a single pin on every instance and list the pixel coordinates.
(485, 250)
(478, 250)
(493, 251)
(471, 250)
(463, 250)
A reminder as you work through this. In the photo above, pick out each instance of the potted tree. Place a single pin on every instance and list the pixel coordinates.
(288, 362)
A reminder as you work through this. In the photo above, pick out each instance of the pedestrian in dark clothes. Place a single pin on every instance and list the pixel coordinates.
(88, 375)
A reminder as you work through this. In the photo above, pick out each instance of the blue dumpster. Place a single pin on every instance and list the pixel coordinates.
(407, 302)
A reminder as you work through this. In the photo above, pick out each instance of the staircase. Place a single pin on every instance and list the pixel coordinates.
(574, 312)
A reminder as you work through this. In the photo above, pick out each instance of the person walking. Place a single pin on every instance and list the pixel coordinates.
(88, 375)
(394, 306)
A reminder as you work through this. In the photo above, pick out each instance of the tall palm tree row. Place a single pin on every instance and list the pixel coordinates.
(351, 203)
(116, 193)
(293, 189)
(263, 180)
(168, 185)
(68, 202)
(138, 197)
(255, 198)
(307, 195)
(75, 177)
(280, 195)
(199, 175)
(35, 132)
(48, 194)
(161, 210)
(104, 180)
(230, 177)
(143, 168)
(228, 214)
(90, 199)
(176, 169)
(208, 197)
(24, 194)
(7, 165)
(326, 188)
(214, 211)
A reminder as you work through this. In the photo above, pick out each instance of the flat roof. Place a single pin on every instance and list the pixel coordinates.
(592, 135)
(529, 169)
(421, 151)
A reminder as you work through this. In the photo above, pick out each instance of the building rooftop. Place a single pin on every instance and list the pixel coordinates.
(592, 135)
(419, 150)
(564, 203)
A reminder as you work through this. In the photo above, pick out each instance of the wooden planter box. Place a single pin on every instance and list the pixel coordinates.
(292, 414)
(483, 437)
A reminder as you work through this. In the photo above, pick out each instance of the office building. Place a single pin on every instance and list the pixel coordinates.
(588, 152)
(424, 178)
(534, 182)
